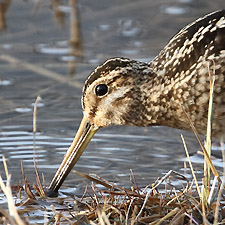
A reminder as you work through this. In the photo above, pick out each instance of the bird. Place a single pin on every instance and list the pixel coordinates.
(123, 91)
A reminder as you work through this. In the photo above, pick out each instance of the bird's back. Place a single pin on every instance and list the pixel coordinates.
(183, 69)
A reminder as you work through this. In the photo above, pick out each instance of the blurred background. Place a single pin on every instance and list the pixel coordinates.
(48, 48)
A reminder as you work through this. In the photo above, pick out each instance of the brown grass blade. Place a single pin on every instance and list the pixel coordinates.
(26, 185)
(192, 170)
(203, 148)
(103, 182)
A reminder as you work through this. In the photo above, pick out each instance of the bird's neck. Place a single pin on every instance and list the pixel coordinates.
(160, 104)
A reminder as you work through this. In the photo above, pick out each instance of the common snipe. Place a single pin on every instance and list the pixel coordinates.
(123, 91)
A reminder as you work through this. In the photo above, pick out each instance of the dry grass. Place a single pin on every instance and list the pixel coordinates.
(160, 203)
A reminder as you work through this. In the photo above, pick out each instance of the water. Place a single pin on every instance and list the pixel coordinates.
(37, 35)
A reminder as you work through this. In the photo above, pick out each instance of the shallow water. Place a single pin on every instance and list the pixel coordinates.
(36, 39)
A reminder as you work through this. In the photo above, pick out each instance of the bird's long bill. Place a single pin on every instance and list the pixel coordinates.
(84, 134)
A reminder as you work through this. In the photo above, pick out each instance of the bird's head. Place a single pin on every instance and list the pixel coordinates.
(112, 95)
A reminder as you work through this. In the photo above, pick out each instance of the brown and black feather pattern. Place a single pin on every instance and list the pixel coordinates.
(146, 94)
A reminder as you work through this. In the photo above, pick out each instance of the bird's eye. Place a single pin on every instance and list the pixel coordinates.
(101, 89)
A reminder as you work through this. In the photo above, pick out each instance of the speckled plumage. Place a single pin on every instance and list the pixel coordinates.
(124, 91)
(146, 94)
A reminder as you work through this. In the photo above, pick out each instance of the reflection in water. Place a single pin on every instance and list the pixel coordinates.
(129, 28)
(53, 49)
(75, 36)
(59, 13)
(4, 5)
(71, 50)
(5, 82)
(23, 110)
(175, 10)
